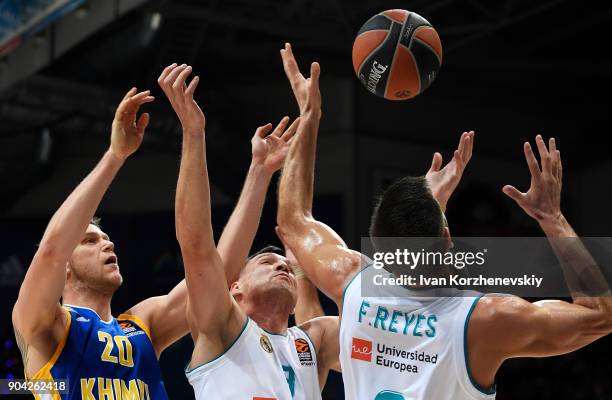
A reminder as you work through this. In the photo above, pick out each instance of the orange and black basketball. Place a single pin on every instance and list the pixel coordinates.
(397, 54)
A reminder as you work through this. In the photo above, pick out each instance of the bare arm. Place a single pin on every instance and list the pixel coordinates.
(308, 305)
(211, 307)
(269, 152)
(37, 307)
(165, 316)
(517, 328)
(543, 203)
(324, 332)
(328, 262)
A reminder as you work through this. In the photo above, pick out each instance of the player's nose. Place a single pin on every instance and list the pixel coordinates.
(108, 246)
(282, 266)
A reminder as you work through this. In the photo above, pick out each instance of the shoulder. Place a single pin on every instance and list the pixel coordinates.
(142, 313)
(30, 328)
(499, 319)
(320, 329)
(496, 309)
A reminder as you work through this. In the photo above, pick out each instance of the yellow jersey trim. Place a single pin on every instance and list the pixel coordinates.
(140, 323)
(45, 371)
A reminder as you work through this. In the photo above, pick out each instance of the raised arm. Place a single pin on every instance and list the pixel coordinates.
(506, 327)
(37, 312)
(211, 307)
(323, 255)
(269, 149)
(308, 305)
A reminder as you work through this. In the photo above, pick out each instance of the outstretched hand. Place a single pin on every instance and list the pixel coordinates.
(444, 181)
(128, 132)
(173, 82)
(270, 149)
(306, 90)
(543, 199)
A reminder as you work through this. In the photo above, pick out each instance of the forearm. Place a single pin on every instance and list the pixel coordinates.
(582, 274)
(308, 305)
(192, 208)
(68, 224)
(239, 233)
(296, 184)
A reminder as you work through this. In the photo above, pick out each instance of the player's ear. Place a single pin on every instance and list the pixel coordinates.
(236, 290)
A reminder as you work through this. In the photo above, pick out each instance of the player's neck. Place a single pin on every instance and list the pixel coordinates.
(272, 316)
(100, 303)
(270, 322)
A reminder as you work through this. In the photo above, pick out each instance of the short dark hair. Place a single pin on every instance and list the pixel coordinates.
(268, 249)
(407, 208)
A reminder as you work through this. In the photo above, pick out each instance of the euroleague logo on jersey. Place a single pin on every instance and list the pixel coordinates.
(126, 327)
(362, 350)
(303, 351)
(130, 329)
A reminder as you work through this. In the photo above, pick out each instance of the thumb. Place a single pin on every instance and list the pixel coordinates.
(436, 162)
(262, 131)
(513, 193)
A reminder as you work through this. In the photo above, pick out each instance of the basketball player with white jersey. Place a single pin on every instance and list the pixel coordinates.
(413, 347)
(243, 347)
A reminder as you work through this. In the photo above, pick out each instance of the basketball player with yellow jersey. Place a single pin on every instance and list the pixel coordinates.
(469, 337)
(243, 347)
(80, 341)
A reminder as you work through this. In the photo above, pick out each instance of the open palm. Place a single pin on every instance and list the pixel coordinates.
(444, 181)
(270, 149)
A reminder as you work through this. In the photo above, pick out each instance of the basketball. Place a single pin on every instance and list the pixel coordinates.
(397, 54)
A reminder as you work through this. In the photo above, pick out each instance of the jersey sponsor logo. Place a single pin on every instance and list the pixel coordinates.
(113, 389)
(303, 351)
(361, 350)
(82, 319)
(265, 344)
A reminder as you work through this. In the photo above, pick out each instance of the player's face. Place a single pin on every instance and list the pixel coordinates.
(94, 261)
(270, 274)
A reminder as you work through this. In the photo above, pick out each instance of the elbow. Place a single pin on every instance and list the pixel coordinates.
(605, 324)
(290, 221)
(193, 245)
(190, 239)
(47, 251)
(602, 321)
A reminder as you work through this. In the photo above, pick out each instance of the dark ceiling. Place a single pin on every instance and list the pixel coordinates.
(542, 58)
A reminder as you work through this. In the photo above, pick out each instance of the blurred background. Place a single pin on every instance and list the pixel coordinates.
(511, 69)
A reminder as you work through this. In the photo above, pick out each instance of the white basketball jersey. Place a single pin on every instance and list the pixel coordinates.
(405, 347)
(260, 366)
